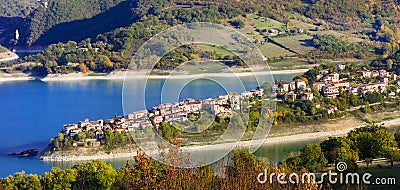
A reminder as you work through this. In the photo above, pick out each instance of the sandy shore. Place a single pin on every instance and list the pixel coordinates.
(121, 75)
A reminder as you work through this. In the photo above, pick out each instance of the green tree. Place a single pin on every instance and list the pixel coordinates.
(94, 175)
(397, 138)
(389, 64)
(81, 136)
(294, 161)
(372, 141)
(312, 157)
(20, 180)
(392, 156)
(58, 179)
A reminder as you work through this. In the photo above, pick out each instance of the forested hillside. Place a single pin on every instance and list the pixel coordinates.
(17, 8)
(346, 14)
(102, 35)
(64, 11)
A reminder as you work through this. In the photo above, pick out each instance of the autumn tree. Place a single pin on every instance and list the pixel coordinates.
(83, 68)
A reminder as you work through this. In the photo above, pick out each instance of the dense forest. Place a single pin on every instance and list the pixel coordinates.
(17, 8)
(346, 14)
(63, 11)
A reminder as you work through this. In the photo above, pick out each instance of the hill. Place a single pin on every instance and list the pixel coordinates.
(60, 12)
(281, 29)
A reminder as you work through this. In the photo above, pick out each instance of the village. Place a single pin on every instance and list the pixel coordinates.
(168, 112)
(329, 84)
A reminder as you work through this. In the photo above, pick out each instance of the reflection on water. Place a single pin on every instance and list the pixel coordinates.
(278, 152)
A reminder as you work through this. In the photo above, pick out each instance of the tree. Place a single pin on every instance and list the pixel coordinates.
(372, 141)
(238, 24)
(373, 97)
(83, 68)
(397, 138)
(368, 161)
(254, 117)
(389, 63)
(167, 131)
(237, 121)
(392, 156)
(294, 161)
(108, 62)
(312, 157)
(81, 136)
(338, 149)
(366, 109)
(60, 136)
(194, 56)
(20, 180)
(94, 175)
(58, 179)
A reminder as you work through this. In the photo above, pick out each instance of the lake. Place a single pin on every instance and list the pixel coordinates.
(32, 112)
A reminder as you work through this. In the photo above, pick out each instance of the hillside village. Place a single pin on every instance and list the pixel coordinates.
(331, 83)
(168, 112)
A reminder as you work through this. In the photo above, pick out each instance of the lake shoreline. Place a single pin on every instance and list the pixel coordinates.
(122, 75)
(8, 56)
(222, 146)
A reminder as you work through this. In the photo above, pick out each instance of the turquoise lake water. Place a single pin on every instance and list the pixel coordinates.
(32, 112)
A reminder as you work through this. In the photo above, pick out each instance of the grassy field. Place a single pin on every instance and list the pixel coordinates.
(254, 23)
(264, 23)
(210, 48)
(270, 50)
(300, 44)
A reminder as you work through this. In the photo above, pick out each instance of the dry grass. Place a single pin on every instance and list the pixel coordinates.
(383, 116)
(319, 126)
